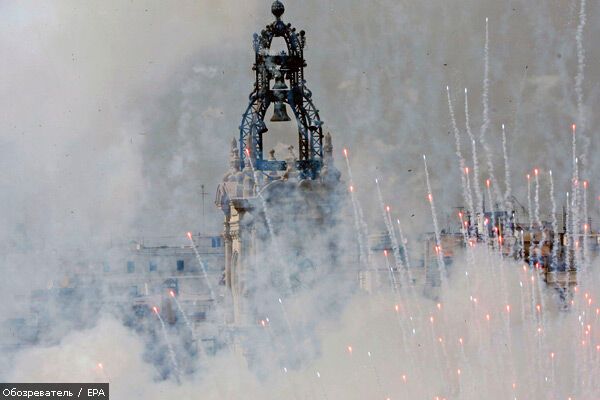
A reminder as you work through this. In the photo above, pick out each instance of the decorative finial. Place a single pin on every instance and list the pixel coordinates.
(277, 9)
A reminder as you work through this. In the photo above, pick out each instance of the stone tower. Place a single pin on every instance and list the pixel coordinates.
(278, 213)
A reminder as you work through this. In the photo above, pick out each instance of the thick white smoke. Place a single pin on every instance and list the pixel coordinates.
(115, 113)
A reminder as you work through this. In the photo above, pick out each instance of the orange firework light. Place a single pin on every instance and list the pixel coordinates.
(345, 153)
(172, 293)
(155, 309)
(189, 235)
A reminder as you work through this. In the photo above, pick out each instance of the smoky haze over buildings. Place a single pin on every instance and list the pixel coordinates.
(115, 113)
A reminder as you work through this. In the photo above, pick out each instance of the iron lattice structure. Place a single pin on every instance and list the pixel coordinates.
(286, 71)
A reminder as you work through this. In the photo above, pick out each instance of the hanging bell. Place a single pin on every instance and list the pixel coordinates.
(261, 127)
(280, 113)
(279, 83)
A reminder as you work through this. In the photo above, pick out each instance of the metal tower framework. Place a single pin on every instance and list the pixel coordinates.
(286, 71)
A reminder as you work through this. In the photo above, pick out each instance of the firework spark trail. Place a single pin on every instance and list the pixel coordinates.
(470, 256)
(323, 392)
(461, 159)
(391, 275)
(409, 275)
(290, 383)
(576, 197)
(359, 237)
(266, 325)
(169, 345)
(402, 300)
(579, 78)
(486, 114)
(556, 239)
(396, 249)
(506, 166)
(438, 243)
(575, 206)
(402, 321)
(530, 213)
(508, 193)
(183, 314)
(202, 266)
(538, 220)
(541, 307)
(103, 371)
(465, 362)
(377, 379)
(473, 220)
(262, 198)
(477, 187)
(404, 245)
(492, 221)
(389, 226)
(286, 273)
(399, 294)
(287, 322)
(359, 223)
(586, 228)
(510, 357)
(568, 244)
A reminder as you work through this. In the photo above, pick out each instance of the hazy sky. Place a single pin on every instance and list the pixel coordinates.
(115, 112)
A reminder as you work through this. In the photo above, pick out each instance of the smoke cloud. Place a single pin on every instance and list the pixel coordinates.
(115, 113)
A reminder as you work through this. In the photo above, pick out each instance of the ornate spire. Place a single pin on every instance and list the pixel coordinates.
(280, 85)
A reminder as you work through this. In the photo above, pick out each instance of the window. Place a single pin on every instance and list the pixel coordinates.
(152, 266)
(216, 241)
(180, 265)
(130, 267)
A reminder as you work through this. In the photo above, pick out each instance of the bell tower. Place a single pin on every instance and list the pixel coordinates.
(279, 214)
(280, 81)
